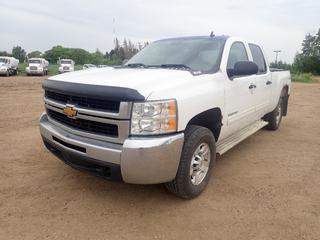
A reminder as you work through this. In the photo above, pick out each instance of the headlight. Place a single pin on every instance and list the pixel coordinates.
(154, 117)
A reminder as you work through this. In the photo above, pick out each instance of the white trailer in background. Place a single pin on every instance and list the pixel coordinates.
(8, 66)
(37, 66)
(66, 65)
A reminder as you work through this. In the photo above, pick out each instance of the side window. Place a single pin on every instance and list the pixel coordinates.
(237, 53)
(258, 57)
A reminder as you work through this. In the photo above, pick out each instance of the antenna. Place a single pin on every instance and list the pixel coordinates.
(114, 32)
(212, 34)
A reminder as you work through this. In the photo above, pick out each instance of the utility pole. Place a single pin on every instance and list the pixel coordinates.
(277, 52)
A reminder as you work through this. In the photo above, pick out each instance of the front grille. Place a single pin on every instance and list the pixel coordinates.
(92, 103)
(65, 68)
(110, 130)
(33, 68)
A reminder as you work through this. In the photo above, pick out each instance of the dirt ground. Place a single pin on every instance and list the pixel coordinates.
(267, 187)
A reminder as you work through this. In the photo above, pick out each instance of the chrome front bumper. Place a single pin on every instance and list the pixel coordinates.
(147, 160)
(34, 71)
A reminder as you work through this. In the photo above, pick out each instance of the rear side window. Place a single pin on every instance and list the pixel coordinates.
(258, 57)
(237, 53)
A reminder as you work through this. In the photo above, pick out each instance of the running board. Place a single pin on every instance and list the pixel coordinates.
(236, 138)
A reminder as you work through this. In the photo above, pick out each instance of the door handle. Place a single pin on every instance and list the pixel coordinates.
(268, 82)
(252, 86)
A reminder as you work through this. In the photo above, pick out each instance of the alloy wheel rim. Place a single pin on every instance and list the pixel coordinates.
(200, 163)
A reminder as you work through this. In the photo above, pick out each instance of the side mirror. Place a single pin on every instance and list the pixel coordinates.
(243, 68)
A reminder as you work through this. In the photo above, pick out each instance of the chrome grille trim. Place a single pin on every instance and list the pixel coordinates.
(121, 119)
(124, 110)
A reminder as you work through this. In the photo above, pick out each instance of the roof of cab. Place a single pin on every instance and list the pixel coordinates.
(214, 37)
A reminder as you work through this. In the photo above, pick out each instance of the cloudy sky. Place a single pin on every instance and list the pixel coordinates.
(39, 25)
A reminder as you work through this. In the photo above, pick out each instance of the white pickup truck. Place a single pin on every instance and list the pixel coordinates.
(66, 65)
(165, 115)
(8, 66)
(37, 66)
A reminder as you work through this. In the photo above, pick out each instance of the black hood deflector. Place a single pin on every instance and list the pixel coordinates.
(93, 91)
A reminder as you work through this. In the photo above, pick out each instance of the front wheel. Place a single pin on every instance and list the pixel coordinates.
(197, 160)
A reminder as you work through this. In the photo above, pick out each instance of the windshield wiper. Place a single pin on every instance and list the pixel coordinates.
(173, 65)
(136, 65)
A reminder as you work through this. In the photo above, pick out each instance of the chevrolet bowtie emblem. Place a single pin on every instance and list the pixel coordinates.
(70, 112)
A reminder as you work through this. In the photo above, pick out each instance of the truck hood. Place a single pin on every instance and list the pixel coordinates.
(145, 81)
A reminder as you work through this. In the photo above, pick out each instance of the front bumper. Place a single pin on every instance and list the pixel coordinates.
(139, 160)
(65, 70)
(3, 70)
(36, 72)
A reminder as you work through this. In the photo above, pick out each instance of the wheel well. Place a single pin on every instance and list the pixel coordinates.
(211, 119)
(285, 90)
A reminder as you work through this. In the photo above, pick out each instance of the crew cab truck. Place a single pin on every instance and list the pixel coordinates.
(37, 66)
(66, 65)
(8, 66)
(165, 115)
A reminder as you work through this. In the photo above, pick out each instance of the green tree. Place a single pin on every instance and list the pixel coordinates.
(80, 56)
(309, 59)
(281, 65)
(19, 53)
(5, 53)
(97, 57)
(35, 54)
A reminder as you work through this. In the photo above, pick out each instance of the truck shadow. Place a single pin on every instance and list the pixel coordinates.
(101, 191)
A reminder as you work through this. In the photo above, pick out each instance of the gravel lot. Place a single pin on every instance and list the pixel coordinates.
(267, 187)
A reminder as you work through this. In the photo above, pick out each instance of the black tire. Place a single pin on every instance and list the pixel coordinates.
(274, 118)
(182, 185)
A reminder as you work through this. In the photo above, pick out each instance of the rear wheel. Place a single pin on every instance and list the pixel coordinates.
(197, 160)
(274, 118)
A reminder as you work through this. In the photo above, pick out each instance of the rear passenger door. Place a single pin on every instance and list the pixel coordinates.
(240, 99)
(263, 81)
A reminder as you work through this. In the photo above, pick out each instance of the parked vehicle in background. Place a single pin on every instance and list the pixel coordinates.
(8, 66)
(102, 66)
(165, 114)
(88, 66)
(66, 65)
(37, 66)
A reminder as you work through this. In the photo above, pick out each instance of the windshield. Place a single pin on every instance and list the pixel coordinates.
(3, 60)
(34, 61)
(197, 54)
(65, 62)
